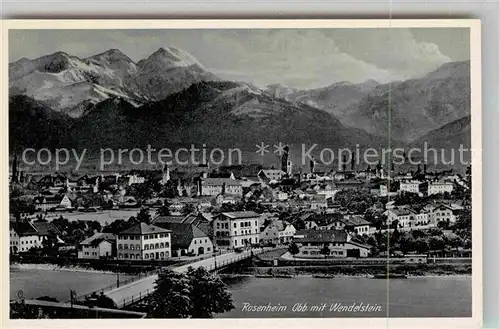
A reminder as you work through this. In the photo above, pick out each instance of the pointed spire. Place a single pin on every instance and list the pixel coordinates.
(15, 169)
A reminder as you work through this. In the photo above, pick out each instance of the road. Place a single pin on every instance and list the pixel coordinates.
(137, 289)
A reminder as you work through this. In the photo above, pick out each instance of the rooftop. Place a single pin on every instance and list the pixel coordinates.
(240, 214)
(321, 236)
(183, 234)
(23, 227)
(358, 244)
(318, 198)
(401, 211)
(279, 224)
(220, 181)
(349, 181)
(143, 228)
(45, 228)
(48, 199)
(97, 238)
(323, 219)
(356, 220)
(273, 171)
(441, 183)
(168, 219)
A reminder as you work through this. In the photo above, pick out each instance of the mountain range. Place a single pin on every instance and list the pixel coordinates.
(449, 136)
(71, 85)
(170, 98)
(408, 109)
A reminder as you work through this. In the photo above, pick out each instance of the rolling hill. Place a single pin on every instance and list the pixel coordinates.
(449, 136)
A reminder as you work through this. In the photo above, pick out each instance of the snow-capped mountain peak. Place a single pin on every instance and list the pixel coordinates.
(65, 82)
(168, 58)
(112, 55)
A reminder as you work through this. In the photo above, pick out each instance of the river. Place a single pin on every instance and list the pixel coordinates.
(44, 282)
(446, 296)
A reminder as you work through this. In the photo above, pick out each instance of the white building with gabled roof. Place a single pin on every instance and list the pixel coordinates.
(144, 242)
(236, 229)
(271, 174)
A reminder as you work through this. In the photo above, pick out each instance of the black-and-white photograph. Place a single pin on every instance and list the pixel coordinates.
(240, 173)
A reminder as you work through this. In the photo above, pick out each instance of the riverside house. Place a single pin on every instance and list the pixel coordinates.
(439, 188)
(277, 232)
(325, 244)
(100, 245)
(25, 235)
(403, 216)
(358, 224)
(144, 242)
(444, 213)
(236, 229)
(187, 239)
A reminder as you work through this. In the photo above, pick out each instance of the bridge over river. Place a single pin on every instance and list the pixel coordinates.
(135, 291)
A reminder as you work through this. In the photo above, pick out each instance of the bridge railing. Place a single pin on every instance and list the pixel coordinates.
(211, 267)
(246, 254)
(116, 285)
(141, 295)
(134, 298)
(140, 276)
(122, 283)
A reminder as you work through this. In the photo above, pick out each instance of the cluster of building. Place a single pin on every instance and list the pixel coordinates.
(333, 243)
(206, 188)
(201, 234)
(195, 234)
(25, 235)
(420, 183)
(207, 226)
(430, 215)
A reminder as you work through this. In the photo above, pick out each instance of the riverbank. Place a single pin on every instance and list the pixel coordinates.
(37, 281)
(420, 270)
(227, 276)
(53, 267)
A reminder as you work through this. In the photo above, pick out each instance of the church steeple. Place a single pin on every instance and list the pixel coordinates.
(286, 161)
(15, 170)
(165, 175)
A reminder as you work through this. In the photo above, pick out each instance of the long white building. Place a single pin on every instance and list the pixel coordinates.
(439, 187)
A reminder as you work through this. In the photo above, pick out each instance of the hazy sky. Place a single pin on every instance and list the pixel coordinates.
(296, 58)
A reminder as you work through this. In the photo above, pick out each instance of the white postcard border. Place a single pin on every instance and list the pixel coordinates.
(290, 323)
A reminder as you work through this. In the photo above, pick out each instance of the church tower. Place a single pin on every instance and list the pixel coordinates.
(165, 175)
(286, 161)
(15, 170)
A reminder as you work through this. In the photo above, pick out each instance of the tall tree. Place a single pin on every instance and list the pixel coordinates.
(208, 294)
(406, 243)
(196, 294)
(293, 248)
(421, 246)
(144, 216)
(171, 296)
(436, 243)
